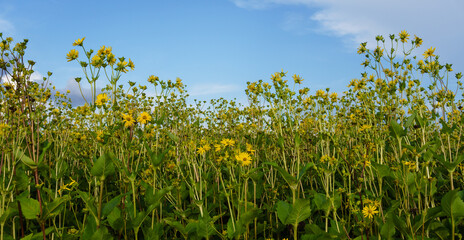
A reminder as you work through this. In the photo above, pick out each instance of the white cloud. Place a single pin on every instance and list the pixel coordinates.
(211, 89)
(437, 22)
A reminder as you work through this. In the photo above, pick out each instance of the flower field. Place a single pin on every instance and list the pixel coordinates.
(382, 160)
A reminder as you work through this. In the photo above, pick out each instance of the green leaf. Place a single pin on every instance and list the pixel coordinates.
(388, 228)
(115, 220)
(248, 216)
(89, 202)
(103, 166)
(109, 206)
(322, 202)
(176, 225)
(44, 149)
(301, 210)
(451, 166)
(283, 210)
(396, 130)
(54, 208)
(25, 159)
(453, 204)
(304, 170)
(30, 208)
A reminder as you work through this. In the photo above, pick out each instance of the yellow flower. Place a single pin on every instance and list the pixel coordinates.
(78, 42)
(102, 98)
(131, 64)
(250, 148)
(243, 158)
(365, 127)
(96, 60)
(417, 41)
(297, 79)
(370, 211)
(128, 120)
(404, 36)
(144, 118)
(207, 147)
(429, 52)
(333, 97)
(217, 147)
(228, 142)
(201, 150)
(73, 54)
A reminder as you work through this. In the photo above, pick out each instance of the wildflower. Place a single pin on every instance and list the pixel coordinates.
(250, 148)
(429, 52)
(78, 42)
(130, 64)
(144, 118)
(370, 211)
(320, 93)
(404, 36)
(217, 147)
(72, 55)
(96, 61)
(228, 142)
(297, 79)
(333, 97)
(201, 150)
(243, 158)
(417, 41)
(128, 120)
(207, 147)
(101, 99)
(365, 127)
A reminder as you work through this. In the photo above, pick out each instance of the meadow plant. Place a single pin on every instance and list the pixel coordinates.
(382, 160)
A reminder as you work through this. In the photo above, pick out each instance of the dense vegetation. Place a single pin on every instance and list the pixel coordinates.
(382, 160)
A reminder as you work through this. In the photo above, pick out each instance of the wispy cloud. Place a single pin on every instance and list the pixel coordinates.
(211, 89)
(361, 20)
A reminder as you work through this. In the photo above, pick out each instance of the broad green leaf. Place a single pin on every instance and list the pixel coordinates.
(322, 202)
(115, 220)
(283, 210)
(103, 166)
(396, 130)
(25, 159)
(248, 216)
(453, 204)
(388, 228)
(109, 206)
(30, 208)
(301, 210)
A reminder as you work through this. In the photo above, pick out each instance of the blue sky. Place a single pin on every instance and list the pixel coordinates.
(216, 46)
